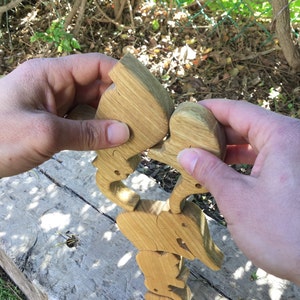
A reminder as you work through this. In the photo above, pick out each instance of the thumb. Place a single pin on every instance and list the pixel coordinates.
(92, 134)
(208, 170)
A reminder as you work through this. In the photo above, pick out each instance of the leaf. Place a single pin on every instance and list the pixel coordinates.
(75, 44)
(155, 25)
(234, 72)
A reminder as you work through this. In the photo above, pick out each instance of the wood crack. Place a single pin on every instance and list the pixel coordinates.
(73, 193)
(198, 276)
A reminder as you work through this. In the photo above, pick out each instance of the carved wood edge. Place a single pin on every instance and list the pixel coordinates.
(169, 230)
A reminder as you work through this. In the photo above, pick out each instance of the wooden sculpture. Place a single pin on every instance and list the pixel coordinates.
(164, 232)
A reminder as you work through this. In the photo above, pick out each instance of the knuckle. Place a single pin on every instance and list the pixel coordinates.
(45, 134)
(89, 135)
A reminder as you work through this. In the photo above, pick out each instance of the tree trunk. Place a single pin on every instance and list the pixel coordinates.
(281, 19)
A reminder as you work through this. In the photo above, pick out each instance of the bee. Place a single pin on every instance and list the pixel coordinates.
(72, 241)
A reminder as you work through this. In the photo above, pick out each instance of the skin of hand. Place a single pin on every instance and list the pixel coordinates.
(262, 209)
(37, 95)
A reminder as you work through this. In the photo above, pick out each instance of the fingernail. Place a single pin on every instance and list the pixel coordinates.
(117, 133)
(188, 159)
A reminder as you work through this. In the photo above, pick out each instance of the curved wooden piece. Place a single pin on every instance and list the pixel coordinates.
(153, 227)
(191, 125)
(165, 274)
(139, 100)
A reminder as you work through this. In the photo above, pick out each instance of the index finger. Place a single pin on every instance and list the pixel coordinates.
(85, 68)
(243, 121)
(74, 79)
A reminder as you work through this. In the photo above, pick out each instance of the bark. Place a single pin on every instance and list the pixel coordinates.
(281, 16)
(72, 13)
(79, 17)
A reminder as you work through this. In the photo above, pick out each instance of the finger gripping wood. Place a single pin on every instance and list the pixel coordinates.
(137, 99)
(191, 125)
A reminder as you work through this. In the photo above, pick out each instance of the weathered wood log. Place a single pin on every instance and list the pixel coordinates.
(28, 289)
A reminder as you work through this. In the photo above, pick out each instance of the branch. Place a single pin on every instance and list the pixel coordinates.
(108, 18)
(121, 8)
(72, 13)
(80, 17)
(281, 15)
(9, 6)
(131, 14)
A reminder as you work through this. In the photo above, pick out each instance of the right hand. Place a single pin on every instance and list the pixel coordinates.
(262, 210)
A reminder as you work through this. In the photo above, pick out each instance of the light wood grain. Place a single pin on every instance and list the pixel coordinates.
(165, 232)
(165, 274)
(137, 99)
(152, 226)
(191, 125)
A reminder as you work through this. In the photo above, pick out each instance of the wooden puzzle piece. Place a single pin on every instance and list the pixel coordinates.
(163, 231)
(184, 294)
(137, 99)
(170, 270)
(153, 227)
(191, 125)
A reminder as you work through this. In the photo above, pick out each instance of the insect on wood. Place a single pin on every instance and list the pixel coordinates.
(72, 241)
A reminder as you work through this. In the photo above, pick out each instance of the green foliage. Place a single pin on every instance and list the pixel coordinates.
(155, 25)
(254, 276)
(8, 291)
(295, 11)
(56, 34)
(256, 8)
(184, 2)
(244, 8)
(178, 2)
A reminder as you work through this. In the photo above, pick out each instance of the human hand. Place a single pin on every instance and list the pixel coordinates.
(37, 95)
(262, 210)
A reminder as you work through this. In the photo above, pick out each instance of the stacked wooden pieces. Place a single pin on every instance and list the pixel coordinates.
(164, 232)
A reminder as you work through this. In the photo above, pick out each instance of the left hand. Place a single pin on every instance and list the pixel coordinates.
(34, 99)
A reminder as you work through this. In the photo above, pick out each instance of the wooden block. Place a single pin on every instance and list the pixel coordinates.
(82, 112)
(153, 227)
(191, 125)
(165, 274)
(137, 99)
